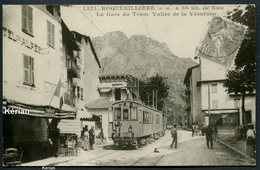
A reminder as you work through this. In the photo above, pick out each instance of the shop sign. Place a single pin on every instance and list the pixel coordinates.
(48, 110)
(23, 41)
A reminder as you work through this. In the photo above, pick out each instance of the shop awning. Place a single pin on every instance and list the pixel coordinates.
(221, 111)
(94, 118)
(70, 127)
(12, 107)
(104, 90)
(83, 114)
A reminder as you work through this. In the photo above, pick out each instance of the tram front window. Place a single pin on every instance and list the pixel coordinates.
(125, 111)
(117, 113)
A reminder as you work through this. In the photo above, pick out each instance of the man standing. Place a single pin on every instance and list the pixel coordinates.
(91, 137)
(209, 133)
(174, 136)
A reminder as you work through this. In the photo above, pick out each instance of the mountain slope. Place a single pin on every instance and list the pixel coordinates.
(143, 57)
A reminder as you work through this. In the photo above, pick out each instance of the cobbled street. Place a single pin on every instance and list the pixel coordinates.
(191, 151)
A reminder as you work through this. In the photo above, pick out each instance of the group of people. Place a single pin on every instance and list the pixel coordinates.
(88, 137)
(241, 132)
(213, 132)
(208, 131)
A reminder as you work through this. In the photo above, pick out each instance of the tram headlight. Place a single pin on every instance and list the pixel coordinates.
(130, 129)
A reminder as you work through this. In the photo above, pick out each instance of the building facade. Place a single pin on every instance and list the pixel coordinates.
(81, 76)
(204, 88)
(32, 77)
(193, 96)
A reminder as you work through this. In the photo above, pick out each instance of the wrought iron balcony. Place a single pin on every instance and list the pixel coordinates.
(187, 91)
(73, 71)
(188, 106)
(69, 100)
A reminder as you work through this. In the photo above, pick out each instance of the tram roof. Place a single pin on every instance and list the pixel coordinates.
(136, 102)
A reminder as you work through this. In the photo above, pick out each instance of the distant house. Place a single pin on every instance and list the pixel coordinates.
(222, 108)
(206, 97)
(193, 96)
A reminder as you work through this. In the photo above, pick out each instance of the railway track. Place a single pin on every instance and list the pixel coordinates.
(156, 160)
(110, 157)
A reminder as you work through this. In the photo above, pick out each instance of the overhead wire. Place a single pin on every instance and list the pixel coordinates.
(119, 50)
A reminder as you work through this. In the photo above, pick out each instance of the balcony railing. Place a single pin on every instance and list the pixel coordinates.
(73, 70)
(69, 100)
(188, 106)
(187, 91)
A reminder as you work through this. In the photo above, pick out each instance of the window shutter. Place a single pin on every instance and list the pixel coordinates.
(24, 17)
(215, 104)
(30, 20)
(26, 69)
(32, 70)
(48, 33)
(52, 35)
(81, 93)
(78, 92)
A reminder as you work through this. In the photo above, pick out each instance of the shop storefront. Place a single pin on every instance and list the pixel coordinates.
(32, 128)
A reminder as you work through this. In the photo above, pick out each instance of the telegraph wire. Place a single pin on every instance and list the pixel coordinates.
(119, 50)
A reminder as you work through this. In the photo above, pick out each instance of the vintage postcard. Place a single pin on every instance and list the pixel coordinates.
(129, 85)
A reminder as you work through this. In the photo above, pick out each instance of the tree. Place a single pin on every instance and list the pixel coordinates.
(246, 53)
(237, 82)
(148, 88)
(241, 79)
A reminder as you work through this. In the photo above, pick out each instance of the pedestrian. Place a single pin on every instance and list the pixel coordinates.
(216, 132)
(50, 147)
(244, 131)
(101, 136)
(250, 142)
(85, 139)
(91, 137)
(209, 139)
(193, 129)
(202, 129)
(174, 136)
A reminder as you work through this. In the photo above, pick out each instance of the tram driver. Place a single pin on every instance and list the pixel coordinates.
(125, 115)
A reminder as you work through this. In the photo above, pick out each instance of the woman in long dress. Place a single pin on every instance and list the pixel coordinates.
(86, 140)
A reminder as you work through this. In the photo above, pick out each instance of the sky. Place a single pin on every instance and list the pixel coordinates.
(164, 23)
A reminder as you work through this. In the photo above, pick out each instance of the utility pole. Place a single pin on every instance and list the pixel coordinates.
(209, 101)
(156, 99)
(174, 116)
(148, 99)
(138, 88)
(153, 98)
(166, 107)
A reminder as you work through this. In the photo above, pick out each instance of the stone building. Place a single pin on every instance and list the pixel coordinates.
(207, 99)
(193, 96)
(33, 77)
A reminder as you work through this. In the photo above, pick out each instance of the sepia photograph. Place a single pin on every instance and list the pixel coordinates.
(128, 85)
